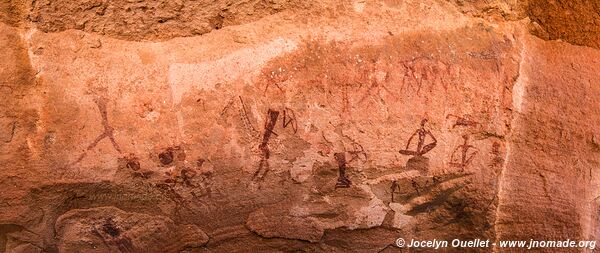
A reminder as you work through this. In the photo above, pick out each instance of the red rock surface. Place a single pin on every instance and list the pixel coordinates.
(282, 126)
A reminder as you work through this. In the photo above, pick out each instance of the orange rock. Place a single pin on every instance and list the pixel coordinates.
(321, 126)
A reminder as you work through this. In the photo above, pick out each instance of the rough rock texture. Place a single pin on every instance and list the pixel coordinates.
(574, 21)
(123, 231)
(284, 126)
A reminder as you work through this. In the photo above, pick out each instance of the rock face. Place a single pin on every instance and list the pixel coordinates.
(78, 231)
(151, 20)
(282, 126)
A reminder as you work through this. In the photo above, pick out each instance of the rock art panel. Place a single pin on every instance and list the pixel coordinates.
(355, 80)
(318, 103)
(283, 126)
(151, 20)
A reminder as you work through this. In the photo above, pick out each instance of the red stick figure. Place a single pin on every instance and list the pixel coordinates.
(343, 181)
(421, 148)
(263, 167)
(466, 157)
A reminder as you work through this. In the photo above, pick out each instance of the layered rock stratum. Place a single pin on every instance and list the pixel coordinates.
(297, 126)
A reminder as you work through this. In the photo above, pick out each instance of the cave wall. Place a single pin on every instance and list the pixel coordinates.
(553, 158)
(270, 126)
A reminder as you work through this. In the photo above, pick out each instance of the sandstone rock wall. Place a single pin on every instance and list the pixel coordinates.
(281, 126)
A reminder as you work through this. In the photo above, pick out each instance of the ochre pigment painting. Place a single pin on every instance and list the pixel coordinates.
(299, 126)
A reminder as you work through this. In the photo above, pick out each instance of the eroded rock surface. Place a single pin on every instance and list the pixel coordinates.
(271, 126)
(149, 20)
(111, 229)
